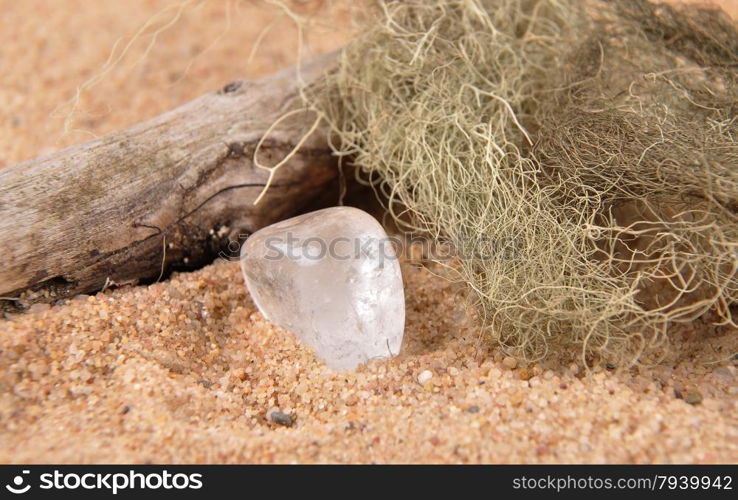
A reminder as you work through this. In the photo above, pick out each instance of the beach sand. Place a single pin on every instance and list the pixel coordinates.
(188, 371)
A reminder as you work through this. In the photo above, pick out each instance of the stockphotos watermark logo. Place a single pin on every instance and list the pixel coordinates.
(291, 247)
(113, 482)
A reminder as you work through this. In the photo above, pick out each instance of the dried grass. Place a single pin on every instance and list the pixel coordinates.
(580, 156)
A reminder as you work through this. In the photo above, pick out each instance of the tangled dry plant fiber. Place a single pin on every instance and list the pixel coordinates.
(580, 156)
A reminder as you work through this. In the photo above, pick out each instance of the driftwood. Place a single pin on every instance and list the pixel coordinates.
(169, 193)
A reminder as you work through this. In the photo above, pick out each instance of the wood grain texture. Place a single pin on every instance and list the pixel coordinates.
(102, 212)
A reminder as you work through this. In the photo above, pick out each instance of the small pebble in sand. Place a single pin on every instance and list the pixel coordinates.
(510, 363)
(693, 397)
(425, 376)
(724, 373)
(276, 416)
(39, 308)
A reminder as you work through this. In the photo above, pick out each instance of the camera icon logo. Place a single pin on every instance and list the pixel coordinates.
(18, 487)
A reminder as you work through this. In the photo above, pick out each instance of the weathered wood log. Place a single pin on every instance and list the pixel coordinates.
(169, 193)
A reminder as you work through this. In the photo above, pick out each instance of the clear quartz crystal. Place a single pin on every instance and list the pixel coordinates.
(332, 278)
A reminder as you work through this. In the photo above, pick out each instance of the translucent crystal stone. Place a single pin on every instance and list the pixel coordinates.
(332, 278)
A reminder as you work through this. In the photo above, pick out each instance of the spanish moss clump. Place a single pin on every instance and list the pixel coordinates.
(580, 156)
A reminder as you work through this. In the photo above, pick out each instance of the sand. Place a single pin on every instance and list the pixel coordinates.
(187, 370)
(50, 49)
